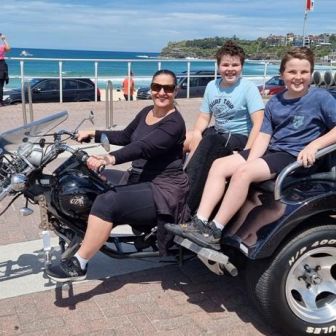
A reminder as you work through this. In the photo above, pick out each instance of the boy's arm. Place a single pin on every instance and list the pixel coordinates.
(257, 119)
(307, 155)
(259, 146)
(201, 124)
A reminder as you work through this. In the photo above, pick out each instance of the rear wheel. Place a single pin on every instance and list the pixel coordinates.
(296, 290)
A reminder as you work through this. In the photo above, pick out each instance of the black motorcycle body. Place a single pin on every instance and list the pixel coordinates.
(283, 239)
(64, 197)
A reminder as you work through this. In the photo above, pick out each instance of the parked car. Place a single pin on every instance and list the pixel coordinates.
(198, 82)
(273, 86)
(47, 90)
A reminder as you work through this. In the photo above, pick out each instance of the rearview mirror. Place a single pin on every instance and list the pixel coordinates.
(105, 142)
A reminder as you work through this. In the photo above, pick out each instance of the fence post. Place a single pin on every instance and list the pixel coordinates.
(129, 65)
(188, 80)
(96, 80)
(60, 66)
(23, 96)
(265, 75)
(30, 102)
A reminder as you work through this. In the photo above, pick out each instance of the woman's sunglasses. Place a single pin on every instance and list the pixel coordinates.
(169, 88)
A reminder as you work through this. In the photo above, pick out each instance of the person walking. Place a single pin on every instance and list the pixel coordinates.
(4, 78)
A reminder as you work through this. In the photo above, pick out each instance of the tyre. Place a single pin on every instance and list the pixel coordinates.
(296, 289)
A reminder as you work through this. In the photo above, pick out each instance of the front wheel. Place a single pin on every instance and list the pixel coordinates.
(296, 289)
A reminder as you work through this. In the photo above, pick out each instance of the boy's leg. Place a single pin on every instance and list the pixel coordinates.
(212, 194)
(211, 148)
(235, 196)
(214, 188)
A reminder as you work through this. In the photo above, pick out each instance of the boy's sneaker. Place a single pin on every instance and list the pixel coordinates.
(67, 270)
(196, 225)
(210, 237)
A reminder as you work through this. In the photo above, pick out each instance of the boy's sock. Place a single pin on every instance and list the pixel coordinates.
(83, 262)
(202, 218)
(218, 225)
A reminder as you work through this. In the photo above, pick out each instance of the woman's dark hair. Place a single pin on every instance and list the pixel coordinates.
(232, 49)
(302, 53)
(165, 72)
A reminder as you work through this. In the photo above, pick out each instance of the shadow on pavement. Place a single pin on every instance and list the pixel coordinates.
(190, 291)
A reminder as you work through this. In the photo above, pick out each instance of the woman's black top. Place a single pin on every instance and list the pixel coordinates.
(156, 151)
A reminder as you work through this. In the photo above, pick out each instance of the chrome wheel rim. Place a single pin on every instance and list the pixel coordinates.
(311, 286)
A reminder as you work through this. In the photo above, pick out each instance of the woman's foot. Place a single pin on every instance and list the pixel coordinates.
(67, 270)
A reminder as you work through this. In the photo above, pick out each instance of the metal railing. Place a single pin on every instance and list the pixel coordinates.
(25, 75)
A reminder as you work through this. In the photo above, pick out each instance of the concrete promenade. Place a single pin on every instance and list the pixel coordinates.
(120, 297)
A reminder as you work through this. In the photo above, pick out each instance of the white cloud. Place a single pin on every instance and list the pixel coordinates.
(148, 25)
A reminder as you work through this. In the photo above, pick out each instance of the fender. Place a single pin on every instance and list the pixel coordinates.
(268, 223)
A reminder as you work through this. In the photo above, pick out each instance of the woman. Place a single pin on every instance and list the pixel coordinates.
(157, 186)
(3, 66)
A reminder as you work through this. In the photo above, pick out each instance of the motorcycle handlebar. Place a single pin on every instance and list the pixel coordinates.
(83, 157)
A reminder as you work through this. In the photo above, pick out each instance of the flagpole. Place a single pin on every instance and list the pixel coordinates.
(304, 27)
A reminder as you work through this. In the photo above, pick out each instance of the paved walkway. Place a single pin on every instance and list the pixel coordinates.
(120, 297)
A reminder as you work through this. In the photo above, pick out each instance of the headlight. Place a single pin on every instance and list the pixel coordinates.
(5, 97)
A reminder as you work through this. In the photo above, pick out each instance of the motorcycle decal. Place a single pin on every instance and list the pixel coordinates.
(77, 200)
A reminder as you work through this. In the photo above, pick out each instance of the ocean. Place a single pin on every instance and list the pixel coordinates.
(112, 65)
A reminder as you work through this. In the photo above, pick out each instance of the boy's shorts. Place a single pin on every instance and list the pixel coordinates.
(275, 160)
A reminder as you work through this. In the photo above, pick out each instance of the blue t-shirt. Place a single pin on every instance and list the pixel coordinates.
(294, 123)
(232, 106)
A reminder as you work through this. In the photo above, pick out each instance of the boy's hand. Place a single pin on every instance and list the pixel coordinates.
(196, 139)
(307, 155)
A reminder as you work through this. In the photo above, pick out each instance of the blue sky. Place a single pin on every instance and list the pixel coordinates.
(146, 25)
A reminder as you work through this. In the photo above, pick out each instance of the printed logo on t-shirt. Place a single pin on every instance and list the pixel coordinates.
(298, 121)
(222, 108)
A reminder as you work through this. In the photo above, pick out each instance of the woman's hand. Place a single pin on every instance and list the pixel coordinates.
(85, 135)
(94, 162)
(307, 155)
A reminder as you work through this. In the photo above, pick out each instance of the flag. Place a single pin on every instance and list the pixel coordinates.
(309, 5)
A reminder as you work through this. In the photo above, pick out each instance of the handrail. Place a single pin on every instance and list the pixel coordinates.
(293, 166)
(97, 61)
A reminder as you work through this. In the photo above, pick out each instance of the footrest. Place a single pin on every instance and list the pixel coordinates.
(214, 260)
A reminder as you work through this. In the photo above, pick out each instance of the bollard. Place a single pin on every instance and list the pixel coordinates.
(109, 105)
(30, 102)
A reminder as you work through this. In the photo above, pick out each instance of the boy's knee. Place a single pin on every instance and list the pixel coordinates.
(242, 174)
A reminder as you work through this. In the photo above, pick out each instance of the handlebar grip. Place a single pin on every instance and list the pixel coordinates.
(100, 168)
(86, 140)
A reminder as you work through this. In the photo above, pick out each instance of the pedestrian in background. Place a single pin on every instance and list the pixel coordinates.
(128, 87)
(3, 66)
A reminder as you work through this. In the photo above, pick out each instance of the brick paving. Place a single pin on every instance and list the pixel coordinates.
(166, 301)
